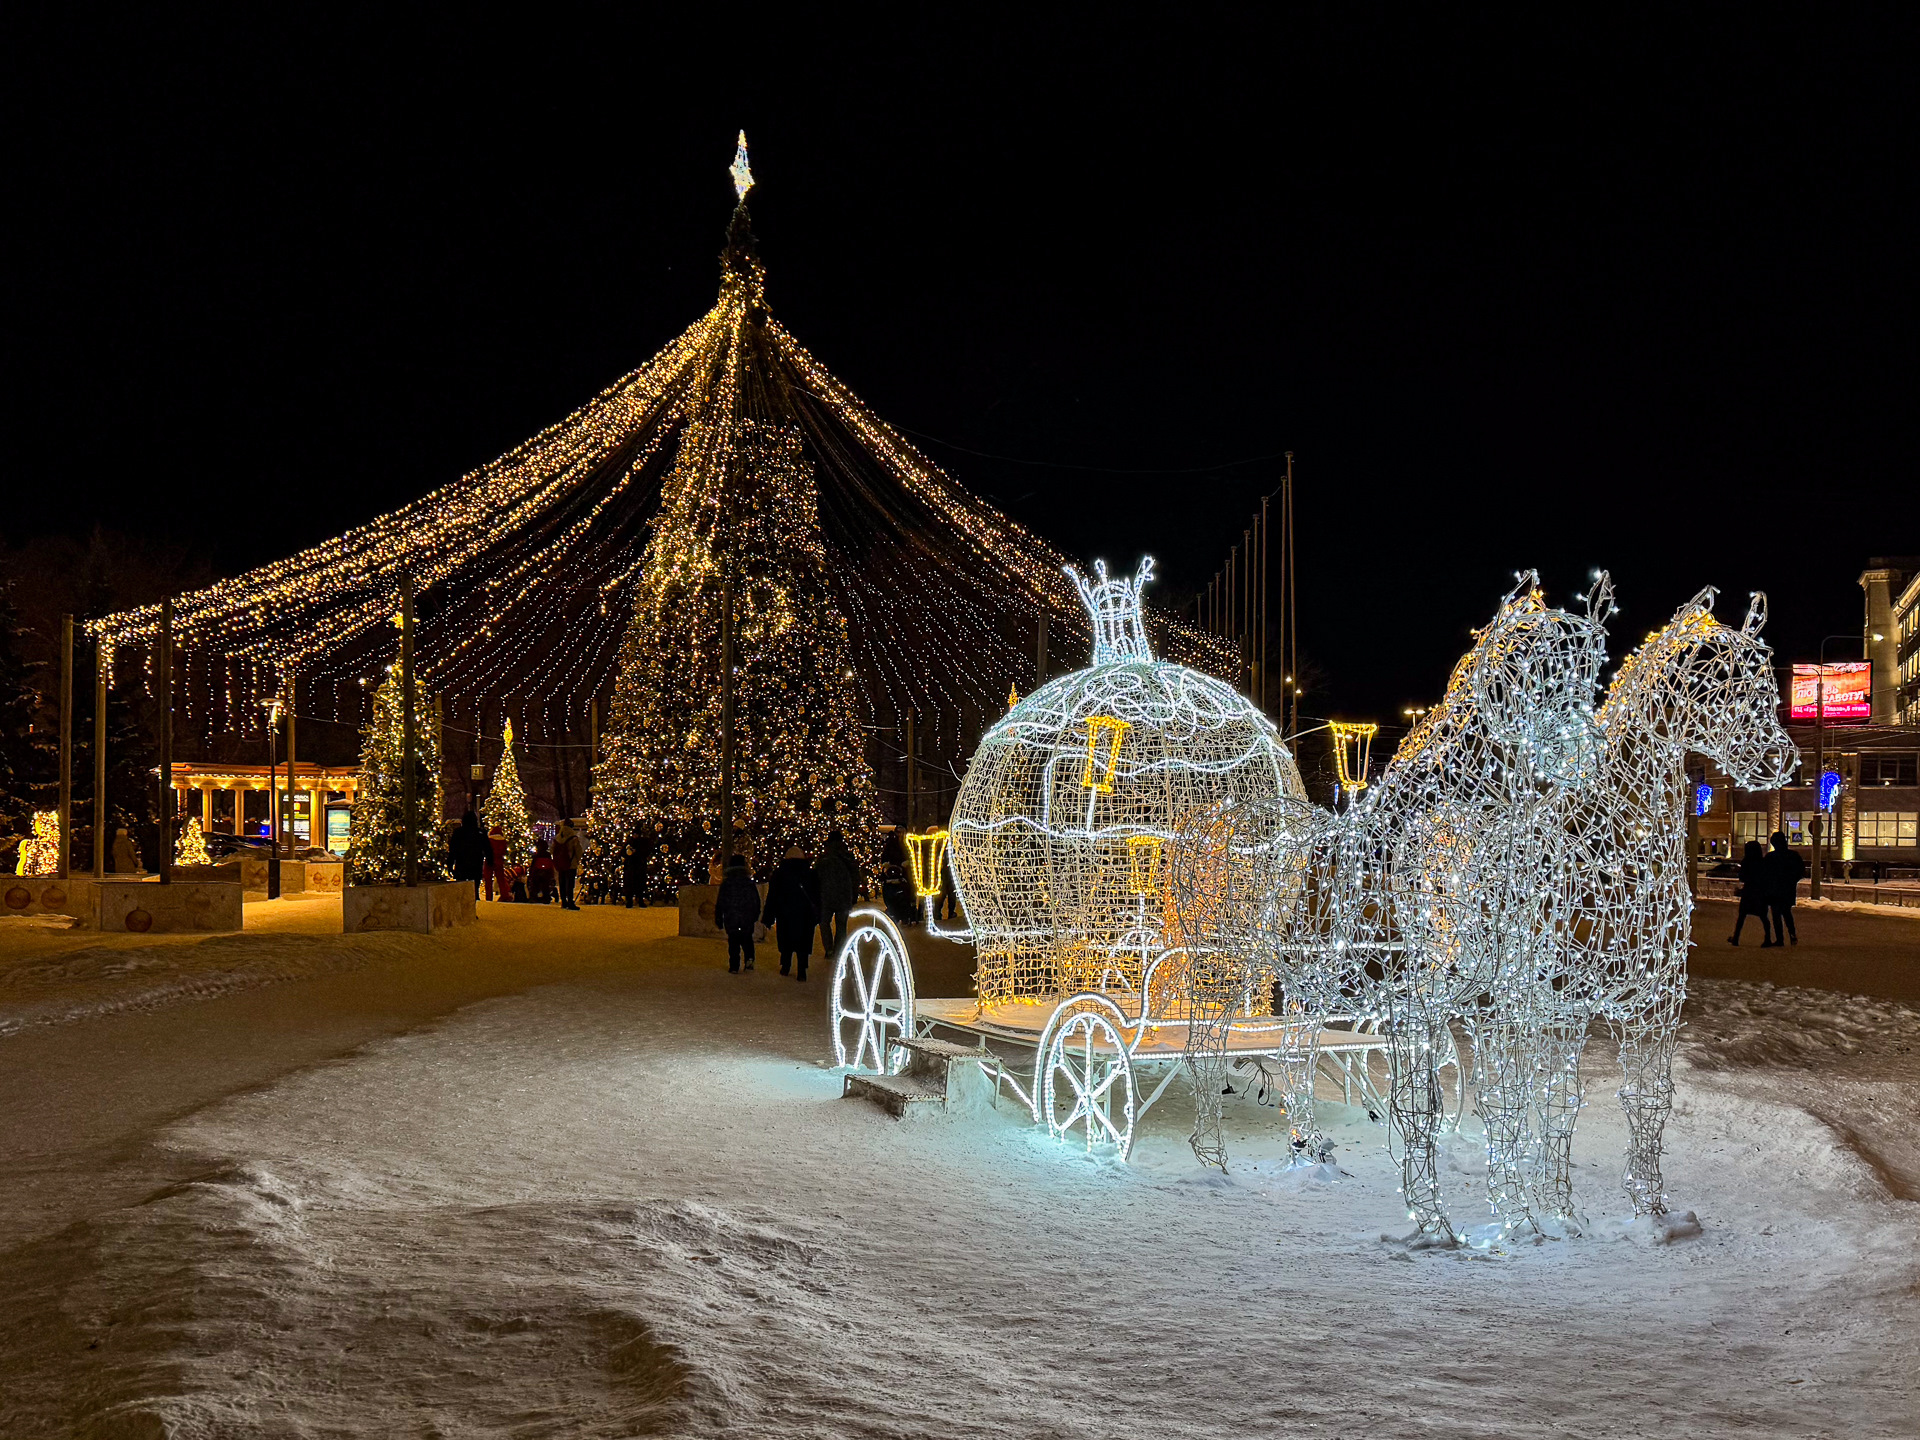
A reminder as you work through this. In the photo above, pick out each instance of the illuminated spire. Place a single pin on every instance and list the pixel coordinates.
(741, 172)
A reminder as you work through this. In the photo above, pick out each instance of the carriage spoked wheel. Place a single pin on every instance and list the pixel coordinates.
(872, 995)
(1086, 1083)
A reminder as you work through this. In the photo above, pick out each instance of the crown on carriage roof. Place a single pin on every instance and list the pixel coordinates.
(1119, 633)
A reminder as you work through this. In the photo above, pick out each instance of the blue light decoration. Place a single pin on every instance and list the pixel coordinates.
(1829, 789)
(1702, 799)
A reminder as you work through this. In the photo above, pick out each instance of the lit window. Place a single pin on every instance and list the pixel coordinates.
(1885, 829)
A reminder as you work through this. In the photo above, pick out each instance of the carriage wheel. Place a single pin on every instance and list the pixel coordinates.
(1086, 1080)
(872, 995)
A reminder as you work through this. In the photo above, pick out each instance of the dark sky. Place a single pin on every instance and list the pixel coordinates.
(1516, 292)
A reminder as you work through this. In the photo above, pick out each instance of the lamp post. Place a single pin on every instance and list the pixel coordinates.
(272, 707)
(1820, 756)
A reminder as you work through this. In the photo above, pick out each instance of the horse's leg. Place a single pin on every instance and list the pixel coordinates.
(1507, 1059)
(1415, 1115)
(1646, 1093)
(1557, 1111)
(1299, 1060)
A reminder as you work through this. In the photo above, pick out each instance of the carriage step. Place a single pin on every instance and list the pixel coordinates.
(898, 1094)
(935, 1059)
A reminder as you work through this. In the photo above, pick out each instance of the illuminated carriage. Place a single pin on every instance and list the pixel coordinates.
(1056, 848)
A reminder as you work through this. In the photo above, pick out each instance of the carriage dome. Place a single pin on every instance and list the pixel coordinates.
(1058, 829)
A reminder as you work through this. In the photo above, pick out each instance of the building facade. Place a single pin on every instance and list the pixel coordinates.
(1871, 827)
(1891, 630)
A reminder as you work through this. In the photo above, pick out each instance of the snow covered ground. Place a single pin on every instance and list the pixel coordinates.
(562, 1175)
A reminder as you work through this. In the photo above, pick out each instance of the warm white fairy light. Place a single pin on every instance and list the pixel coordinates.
(529, 568)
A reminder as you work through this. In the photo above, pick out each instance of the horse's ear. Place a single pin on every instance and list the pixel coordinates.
(1701, 604)
(1756, 614)
(1600, 606)
(1525, 582)
(1143, 574)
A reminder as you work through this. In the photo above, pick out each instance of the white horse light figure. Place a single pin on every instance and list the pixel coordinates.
(1407, 906)
(1620, 913)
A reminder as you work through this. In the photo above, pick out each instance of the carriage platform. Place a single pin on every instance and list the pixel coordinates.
(1023, 1022)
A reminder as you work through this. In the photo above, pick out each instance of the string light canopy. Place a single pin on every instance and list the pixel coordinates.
(528, 567)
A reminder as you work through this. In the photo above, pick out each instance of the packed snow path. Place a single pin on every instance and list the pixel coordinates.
(563, 1175)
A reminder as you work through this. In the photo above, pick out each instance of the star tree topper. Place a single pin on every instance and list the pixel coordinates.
(742, 173)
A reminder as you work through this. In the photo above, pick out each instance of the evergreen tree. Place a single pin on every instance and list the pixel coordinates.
(375, 854)
(193, 845)
(742, 493)
(29, 757)
(506, 805)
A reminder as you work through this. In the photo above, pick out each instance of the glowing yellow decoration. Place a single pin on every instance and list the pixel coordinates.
(1352, 762)
(40, 855)
(926, 854)
(1143, 863)
(1099, 771)
(1013, 696)
(193, 846)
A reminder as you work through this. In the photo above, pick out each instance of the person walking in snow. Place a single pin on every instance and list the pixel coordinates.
(737, 910)
(468, 850)
(495, 863)
(1784, 872)
(836, 881)
(126, 859)
(793, 909)
(1753, 894)
(566, 859)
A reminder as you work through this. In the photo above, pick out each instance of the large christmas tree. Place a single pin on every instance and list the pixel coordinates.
(506, 805)
(375, 853)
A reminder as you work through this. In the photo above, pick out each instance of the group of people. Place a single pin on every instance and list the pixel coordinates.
(802, 896)
(1769, 884)
(551, 872)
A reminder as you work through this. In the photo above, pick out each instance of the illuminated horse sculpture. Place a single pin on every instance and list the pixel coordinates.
(1407, 907)
(1618, 910)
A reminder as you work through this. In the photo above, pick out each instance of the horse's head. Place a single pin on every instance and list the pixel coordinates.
(1532, 679)
(1722, 698)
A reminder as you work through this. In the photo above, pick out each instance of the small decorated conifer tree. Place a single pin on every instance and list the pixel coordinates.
(193, 845)
(376, 854)
(506, 806)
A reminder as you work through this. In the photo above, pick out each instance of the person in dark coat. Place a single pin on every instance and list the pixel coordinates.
(1753, 893)
(836, 880)
(1784, 872)
(468, 850)
(793, 909)
(896, 883)
(633, 866)
(736, 910)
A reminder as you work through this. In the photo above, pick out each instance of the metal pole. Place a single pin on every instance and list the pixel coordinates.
(66, 743)
(409, 740)
(726, 716)
(1266, 546)
(1039, 649)
(273, 799)
(286, 815)
(166, 741)
(1292, 657)
(1819, 765)
(99, 758)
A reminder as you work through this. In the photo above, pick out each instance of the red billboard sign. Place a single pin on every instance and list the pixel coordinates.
(1849, 693)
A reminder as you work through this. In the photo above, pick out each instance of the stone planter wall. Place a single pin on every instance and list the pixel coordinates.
(140, 906)
(696, 909)
(423, 909)
(47, 895)
(323, 878)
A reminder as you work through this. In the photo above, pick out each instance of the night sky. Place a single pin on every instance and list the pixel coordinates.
(1515, 292)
